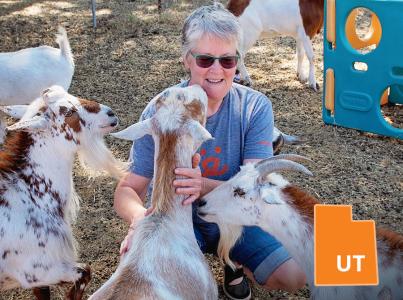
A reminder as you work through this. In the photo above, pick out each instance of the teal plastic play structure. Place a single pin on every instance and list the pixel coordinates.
(352, 95)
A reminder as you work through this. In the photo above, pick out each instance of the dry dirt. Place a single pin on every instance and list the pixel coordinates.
(134, 54)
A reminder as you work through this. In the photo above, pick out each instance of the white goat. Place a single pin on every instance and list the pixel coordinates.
(37, 198)
(26, 73)
(164, 261)
(301, 19)
(257, 196)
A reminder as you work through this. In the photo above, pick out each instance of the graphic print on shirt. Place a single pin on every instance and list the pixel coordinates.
(266, 143)
(211, 165)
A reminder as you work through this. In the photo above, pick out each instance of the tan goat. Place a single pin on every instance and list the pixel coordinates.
(164, 261)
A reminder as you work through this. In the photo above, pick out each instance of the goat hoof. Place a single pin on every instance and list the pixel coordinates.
(315, 87)
(42, 293)
(302, 78)
(244, 82)
(77, 290)
(237, 79)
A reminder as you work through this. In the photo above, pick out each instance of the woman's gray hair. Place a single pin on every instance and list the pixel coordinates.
(213, 20)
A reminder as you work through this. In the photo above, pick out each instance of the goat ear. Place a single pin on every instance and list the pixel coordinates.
(270, 199)
(134, 131)
(52, 94)
(14, 111)
(200, 132)
(270, 196)
(36, 123)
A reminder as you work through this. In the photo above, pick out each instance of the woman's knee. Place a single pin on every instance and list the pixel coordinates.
(288, 277)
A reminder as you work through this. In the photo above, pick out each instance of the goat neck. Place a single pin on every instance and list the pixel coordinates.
(293, 226)
(38, 158)
(172, 152)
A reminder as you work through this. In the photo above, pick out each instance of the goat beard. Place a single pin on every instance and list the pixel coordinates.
(97, 159)
(229, 235)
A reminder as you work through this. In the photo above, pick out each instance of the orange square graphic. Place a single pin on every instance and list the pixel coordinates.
(345, 249)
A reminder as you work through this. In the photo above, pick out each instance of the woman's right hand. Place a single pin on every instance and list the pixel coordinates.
(127, 242)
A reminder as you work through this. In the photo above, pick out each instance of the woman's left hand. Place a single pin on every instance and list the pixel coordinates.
(191, 185)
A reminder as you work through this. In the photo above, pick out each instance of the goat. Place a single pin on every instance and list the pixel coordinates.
(38, 203)
(301, 19)
(257, 196)
(26, 73)
(164, 261)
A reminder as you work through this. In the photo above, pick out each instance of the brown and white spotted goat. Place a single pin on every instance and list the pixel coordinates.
(37, 199)
(257, 196)
(164, 261)
(301, 19)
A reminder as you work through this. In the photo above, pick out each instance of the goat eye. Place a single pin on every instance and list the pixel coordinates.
(239, 192)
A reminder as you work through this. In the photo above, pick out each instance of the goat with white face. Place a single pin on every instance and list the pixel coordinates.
(26, 73)
(301, 19)
(37, 199)
(164, 260)
(258, 197)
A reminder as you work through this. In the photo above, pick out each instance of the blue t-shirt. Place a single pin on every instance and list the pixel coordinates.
(242, 129)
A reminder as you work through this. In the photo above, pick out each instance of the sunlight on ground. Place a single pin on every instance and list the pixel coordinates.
(61, 4)
(146, 13)
(258, 49)
(8, 2)
(124, 49)
(49, 7)
(291, 64)
(130, 44)
(104, 12)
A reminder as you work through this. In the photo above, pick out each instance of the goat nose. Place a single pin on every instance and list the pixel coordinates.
(115, 122)
(110, 113)
(202, 203)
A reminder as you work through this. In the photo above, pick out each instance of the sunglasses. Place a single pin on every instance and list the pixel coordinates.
(206, 61)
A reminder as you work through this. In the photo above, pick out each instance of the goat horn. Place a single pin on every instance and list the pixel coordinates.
(281, 165)
(290, 157)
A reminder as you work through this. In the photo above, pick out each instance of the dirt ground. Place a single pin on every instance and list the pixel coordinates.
(134, 54)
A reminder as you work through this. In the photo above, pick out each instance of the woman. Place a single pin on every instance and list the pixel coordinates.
(241, 122)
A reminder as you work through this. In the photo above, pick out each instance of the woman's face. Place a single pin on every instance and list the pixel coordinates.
(215, 80)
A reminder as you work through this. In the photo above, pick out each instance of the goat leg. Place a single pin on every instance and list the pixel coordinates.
(77, 291)
(42, 293)
(278, 144)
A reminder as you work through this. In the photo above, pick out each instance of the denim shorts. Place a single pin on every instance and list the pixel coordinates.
(260, 252)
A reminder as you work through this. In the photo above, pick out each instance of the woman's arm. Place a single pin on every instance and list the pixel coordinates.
(128, 203)
(129, 195)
